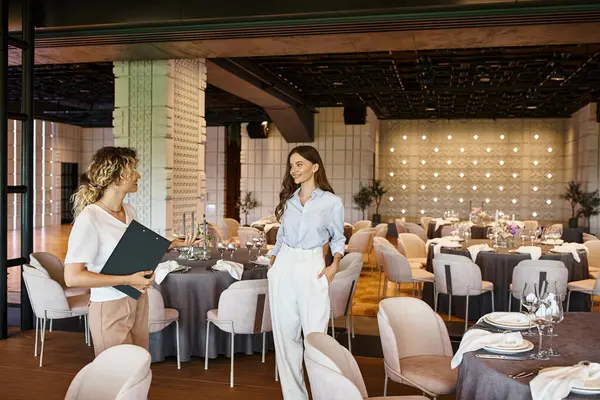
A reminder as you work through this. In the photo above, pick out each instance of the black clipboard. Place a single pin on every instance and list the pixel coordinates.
(140, 249)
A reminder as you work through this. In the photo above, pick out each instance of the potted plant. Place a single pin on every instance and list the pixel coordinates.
(573, 194)
(363, 199)
(377, 191)
(246, 204)
(589, 205)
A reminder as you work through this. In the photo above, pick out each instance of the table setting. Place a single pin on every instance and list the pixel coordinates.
(501, 358)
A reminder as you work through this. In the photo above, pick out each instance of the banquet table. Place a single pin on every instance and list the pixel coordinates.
(497, 267)
(487, 379)
(271, 235)
(193, 293)
(477, 231)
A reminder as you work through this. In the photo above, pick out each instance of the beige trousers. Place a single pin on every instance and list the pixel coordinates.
(122, 321)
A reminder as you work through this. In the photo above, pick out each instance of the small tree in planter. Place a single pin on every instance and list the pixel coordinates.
(590, 205)
(377, 191)
(573, 194)
(246, 204)
(363, 199)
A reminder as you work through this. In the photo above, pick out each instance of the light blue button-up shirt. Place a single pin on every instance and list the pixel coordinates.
(310, 226)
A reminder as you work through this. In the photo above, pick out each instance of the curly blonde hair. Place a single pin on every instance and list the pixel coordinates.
(108, 166)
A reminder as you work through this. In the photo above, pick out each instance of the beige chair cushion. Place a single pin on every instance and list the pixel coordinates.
(485, 285)
(594, 274)
(420, 260)
(415, 265)
(79, 304)
(74, 291)
(431, 372)
(422, 275)
(587, 237)
(585, 285)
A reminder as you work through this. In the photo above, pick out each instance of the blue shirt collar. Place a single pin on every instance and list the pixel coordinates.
(317, 193)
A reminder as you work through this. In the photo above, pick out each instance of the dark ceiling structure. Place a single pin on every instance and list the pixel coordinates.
(516, 82)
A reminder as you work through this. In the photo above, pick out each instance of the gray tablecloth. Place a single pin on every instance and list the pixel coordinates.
(477, 231)
(498, 268)
(577, 341)
(194, 293)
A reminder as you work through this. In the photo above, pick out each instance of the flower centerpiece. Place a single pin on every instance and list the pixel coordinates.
(504, 230)
(205, 237)
(478, 215)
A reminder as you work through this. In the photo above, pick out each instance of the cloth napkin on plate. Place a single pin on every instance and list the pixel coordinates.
(163, 269)
(534, 251)
(476, 339)
(556, 383)
(439, 243)
(263, 260)
(235, 269)
(507, 317)
(476, 248)
(571, 247)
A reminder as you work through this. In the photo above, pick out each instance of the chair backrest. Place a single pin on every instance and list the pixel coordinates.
(588, 238)
(417, 230)
(156, 307)
(246, 234)
(381, 230)
(362, 240)
(120, 372)
(425, 222)
(44, 293)
(216, 233)
(395, 266)
(232, 226)
(455, 277)
(451, 257)
(537, 271)
(556, 226)
(413, 245)
(51, 264)
(409, 327)
(364, 224)
(530, 224)
(593, 255)
(240, 303)
(350, 261)
(332, 370)
(400, 228)
(341, 292)
(379, 242)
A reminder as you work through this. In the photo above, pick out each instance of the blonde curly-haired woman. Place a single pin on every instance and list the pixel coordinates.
(101, 219)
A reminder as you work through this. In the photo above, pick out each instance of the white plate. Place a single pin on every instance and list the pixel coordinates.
(553, 243)
(454, 238)
(590, 387)
(524, 347)
(452, 246)
(503, 324)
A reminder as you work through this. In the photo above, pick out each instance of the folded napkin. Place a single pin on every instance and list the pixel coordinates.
(508, 317)
(476, 248)
(476, 339)
(534, 251)
(556, 383)
(573, 248)
(163, 269)
(263, 260)
(235, 269)
(439, 222)
(439, 243)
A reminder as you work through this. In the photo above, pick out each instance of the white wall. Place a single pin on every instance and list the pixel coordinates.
(93, 139)
(215, 174)
(348, 152)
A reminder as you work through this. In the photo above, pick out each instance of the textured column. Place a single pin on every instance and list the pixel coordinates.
(159, 111)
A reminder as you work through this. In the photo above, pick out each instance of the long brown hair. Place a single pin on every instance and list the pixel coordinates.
(108, 165)
(289, 186)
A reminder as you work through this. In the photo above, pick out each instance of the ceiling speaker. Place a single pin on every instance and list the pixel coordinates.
(258, 130)
(355, 115)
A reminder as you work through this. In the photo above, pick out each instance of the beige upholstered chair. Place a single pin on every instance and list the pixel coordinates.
(464, 279)
(397, 269)
(587, 237)
(587, 286)
(160, 317)
(49, 302)
(56, 271)
(556, 226)
(216, 233)
(414, 248)
(238, 312)
(425, 222)
(593, 256)
(361, 242)
(333, 372)
(246, 234)
(536, 271)
(416, 346)
(231, 228)
(378, 244)
(364, 224)
(350, 265)
(417, 230)
(118, 373)
(531, 225)
(341, 294)
(381, 230)
(400, 228)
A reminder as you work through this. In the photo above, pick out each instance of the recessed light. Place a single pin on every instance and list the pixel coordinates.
(422, 162)
(536, 162)
(515, 175)
(436, 149)
(514, 201)
(500, 188)
(501, 162)
(535, 188)
(449, 162)
(488, 175)
(449, 137)
(403, 211)
(475, 162)
(448, 187)
(549, 149)
(534, 214)
(462, 149)
(489, 150)
(474, 187)
(487, 200)
(391, 198)
(536, 136)
(403, 162)
(391, 174)
(461, 200)
(475, 137)
(424, 137)
(423, 187)
(435, 174)
(392, 149)
(515, 149)
(435, 199)
(548, 201)
(462, 174)
(549, 176)
(404, 137)
(502, 137)
(422, 211)
(403, 187)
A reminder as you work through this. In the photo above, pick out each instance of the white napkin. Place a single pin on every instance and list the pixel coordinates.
(534, 251)
(476, 339)
(507, 317)
(452, 238)
(439, 222)
(235, 269)
(573, 248)
(476, 248)
(557, 383)
(163, 269)
(439, 243)
(263, 260)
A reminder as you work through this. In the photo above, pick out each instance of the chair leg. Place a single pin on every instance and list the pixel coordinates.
(332, 326)
(385, 385)
(50, 326)
(396, 290)
(449, 307)
(568, 299)
(264, 338)
(232, 357)
(276, 371)
(493, 306)
(435, 299)
(509, 301)
(467, 314)
(352, 322)
(37, 320)
(87, 330)
(43, 337)
(206, 348)
(592, 302)
(177, 343)
(348, 333)
(379, 288)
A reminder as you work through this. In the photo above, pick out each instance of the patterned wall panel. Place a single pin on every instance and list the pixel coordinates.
(449, 165)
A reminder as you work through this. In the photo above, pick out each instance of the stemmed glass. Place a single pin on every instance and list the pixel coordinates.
(232, 248)
(249, 246)
(528, 301)
(222, 246)
(183, 251)
(541, 320)
(259, 245)
(555, 316)
(490, 234)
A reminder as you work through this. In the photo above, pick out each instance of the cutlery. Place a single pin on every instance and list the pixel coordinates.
(501, 357)
(525, 374)
(488, 328)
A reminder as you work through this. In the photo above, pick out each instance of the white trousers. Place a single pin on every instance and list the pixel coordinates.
(299, 300)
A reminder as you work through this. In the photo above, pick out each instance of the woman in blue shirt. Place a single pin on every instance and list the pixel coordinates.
(310, 214)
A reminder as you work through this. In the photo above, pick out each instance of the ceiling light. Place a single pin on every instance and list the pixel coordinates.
(532, 107)
(448, 187)
(502, 137)
(534, 214)
(462, 174)
(338, 83)
(501, 162)
(488, 175)
(461, 200)
(435, 199)
(484, 79)
(536, 162)
(403, 187)
(391, 174)
(404, 137)
(424, 137)
(475, 162)
(422, 211)
(449, 137)
(422, 162)
(462, 149)
(429, 108)
(474, 187)
(403, 162)
(449, 162)
(391, 198)
(435, 174)
(514, 201)
(548, 201)
(403, 211)
(487, 200)
(549, 149)
(535, 188)
(501, 188)
(549, 176)
(423, 187)
(489, 150)
(475, 137)
(515, 149)
(391, 149)
(536, 136)
(436, 149)
(515, 174)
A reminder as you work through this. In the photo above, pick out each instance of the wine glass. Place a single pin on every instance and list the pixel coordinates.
(490, 234)
(528, 301)
(259, 245)
(555, 315)
(542, 320)
(249, 246)
(221, 246)
(232, 248)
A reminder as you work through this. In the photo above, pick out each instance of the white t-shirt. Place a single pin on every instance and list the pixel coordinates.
(94, 236)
